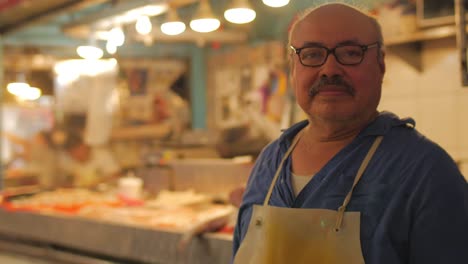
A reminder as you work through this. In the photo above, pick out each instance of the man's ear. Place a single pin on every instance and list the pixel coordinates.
(381, 61)
(292, 70)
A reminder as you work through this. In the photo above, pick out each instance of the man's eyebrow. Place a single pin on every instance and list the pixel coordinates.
(320, 44)
(312, 44)
(349, 42)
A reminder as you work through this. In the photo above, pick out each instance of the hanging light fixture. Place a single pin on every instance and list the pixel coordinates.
(240, 12)
(17, 87)
(30, 94)
(204, 20)
(173, 25)
(143, 25)
(276, 3)
(111, 48)
(117, 36)
(90, 51)
(22, 90)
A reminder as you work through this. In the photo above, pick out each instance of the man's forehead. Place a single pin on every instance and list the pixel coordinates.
(335, 21)
(336, 8)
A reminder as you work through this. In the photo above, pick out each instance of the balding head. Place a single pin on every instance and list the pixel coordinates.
(337, 13)
(337, 23)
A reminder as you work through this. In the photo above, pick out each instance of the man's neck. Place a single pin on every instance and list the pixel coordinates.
(323, 131)
(321, 141)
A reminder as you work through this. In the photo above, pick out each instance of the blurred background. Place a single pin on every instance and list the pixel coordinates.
(134, 106)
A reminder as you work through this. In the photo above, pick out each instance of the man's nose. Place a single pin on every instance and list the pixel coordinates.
(331, 66)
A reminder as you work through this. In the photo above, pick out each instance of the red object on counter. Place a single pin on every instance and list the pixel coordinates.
(227, 230)
(130, 201)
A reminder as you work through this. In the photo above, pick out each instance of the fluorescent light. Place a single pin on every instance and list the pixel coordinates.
(152, 10)
(117, 36)
(31, 94)
(204, 20)
(276, 3)
(70, 70)
(240, 12)
(110, 47)
(17, 88)
(240, 15)
(90, 52)
(23, 91)
(173, 25)
(173, 28)
(143, 25)
(205, 25)
(132, 16)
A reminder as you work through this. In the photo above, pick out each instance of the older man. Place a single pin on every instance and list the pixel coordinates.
(350, 184)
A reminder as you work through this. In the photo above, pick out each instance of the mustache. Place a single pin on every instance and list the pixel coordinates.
(336, 80)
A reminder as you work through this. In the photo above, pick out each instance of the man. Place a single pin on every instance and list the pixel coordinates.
(88, 166)
(41, 158)
(350, 184)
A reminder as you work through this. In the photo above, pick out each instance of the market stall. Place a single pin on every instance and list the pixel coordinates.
(103, 228)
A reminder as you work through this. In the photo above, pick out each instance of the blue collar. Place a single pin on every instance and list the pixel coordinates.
(380, 126)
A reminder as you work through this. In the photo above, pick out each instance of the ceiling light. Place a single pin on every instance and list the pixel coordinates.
(173, 28)
(240, 12)
(23, 91)
(204, 20)
(173, 24)
(276, 3)
(31, 94)
(117, 36)
(132, 16)
(90, 52)
(111, 48)
(143, 25)
(17, 88)
(153, 10)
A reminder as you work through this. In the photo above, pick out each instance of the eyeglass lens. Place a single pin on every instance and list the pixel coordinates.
(314, 56)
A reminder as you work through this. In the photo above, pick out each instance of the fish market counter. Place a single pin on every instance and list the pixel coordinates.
(71, 239)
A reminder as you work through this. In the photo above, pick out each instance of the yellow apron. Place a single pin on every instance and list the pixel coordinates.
(279, 235)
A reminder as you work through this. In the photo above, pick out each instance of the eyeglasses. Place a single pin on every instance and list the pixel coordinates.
(314, 56)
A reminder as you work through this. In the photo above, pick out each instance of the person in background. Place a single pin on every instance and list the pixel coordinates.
(41, 156)
(349, 184)
(88, 166)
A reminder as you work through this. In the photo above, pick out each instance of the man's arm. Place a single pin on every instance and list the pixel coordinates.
(440, 228)
(107, 165)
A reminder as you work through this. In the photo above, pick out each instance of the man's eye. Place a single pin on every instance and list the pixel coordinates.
(351, 52)
(311, 54)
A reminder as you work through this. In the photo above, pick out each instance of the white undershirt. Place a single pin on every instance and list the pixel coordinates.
(299, 182)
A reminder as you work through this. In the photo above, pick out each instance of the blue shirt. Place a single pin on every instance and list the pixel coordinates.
(412, 197)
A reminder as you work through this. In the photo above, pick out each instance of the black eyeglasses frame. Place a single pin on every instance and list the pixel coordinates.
(364, 49)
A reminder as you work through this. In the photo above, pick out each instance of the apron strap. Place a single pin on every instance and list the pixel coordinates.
(278, 171)
(361, 170)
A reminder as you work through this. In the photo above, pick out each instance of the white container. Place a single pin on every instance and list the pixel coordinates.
(130, 187)
(211, 176)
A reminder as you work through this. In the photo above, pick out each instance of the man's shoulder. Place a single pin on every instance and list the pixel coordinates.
(411, 139)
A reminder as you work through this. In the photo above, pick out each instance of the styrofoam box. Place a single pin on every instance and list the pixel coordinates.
(213, 176)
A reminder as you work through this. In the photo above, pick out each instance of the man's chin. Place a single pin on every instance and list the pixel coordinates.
(334, 115)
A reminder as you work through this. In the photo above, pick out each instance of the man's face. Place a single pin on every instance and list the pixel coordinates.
(330, 26)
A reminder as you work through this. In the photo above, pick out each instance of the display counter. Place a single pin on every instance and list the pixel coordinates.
(86, 226)
(82, 240)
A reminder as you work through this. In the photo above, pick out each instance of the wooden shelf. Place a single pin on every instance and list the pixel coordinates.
(409, 46)
(422, 35)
